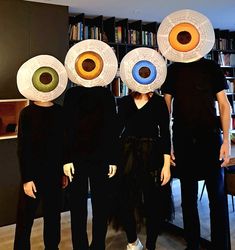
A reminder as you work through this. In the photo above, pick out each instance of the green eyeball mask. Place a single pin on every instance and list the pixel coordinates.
(42, 78)
(45, 79)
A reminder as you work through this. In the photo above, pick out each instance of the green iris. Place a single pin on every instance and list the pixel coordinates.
(45, 79)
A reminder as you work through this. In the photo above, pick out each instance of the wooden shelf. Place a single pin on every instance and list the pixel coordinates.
(9, 115)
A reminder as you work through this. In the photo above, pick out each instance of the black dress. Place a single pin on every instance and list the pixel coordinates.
(145, 138)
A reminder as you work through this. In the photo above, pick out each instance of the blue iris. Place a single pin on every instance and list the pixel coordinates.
(140, 79)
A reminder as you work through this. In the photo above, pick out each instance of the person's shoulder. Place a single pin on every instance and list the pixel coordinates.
(27, 111)
(209, 61)
(28, 108)
(124, 99)
(173, 65)
(103, 92)
(210, 64)
(73, 90)
(157, 97)
(57, 106)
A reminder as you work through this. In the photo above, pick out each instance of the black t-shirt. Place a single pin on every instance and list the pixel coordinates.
(150, 121)
(91, 124)
(194, 87)
(40, 142)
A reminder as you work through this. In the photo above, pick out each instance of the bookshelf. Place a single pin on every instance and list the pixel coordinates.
(223, 53)
(121, 34)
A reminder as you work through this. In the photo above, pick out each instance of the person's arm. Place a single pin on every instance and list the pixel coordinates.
(225, 118)
(168, 100)
(166, 146)
(166, 172)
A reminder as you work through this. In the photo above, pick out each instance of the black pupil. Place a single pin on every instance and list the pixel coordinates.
(144, 72)
(88, 65)
(45, 78)
(184, 37)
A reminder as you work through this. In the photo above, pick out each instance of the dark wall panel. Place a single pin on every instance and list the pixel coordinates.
(48, 30)
(14, 45)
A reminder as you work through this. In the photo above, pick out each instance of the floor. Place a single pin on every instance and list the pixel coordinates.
(117, 240)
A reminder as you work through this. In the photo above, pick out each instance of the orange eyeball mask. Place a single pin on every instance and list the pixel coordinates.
(185, 36)
(91, 63)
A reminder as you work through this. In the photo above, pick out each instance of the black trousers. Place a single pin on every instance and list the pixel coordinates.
(96, 172)
(197, 158)
(155, 200)
(218, 211)
(50, 195)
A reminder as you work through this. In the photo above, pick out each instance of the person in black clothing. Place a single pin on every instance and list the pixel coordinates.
(40, 153)
(199, 152)
(91, 147)
(146, 164)
(145, 141)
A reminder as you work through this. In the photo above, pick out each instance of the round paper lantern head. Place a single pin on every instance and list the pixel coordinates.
(42, 78)
(185, 36)
(91, 63)
(143, 70)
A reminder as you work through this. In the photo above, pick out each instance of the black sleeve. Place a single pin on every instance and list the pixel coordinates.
(164, 122)
(24, 145)
(167, 87)
(219, 81)
(68, 107)
(112, 130)
(122, 108)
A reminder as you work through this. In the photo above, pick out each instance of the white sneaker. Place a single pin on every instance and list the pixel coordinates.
(137, 245)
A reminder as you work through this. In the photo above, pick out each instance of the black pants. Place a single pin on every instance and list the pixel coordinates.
(156, 200)
(96, 172)
(218, 211)
(50, 196)
(197, 157)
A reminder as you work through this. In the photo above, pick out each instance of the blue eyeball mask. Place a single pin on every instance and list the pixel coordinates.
(42, 78)
(143, 70)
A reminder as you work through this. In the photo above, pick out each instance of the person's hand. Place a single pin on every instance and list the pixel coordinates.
(165, 175)
(30, 189)
(112, 170)
(65, 181)
(225, 151)
(166, 171)
(69, 170)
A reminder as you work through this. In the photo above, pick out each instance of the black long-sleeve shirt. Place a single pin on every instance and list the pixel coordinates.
(91, 125)
(150, 121)
(40, 142)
